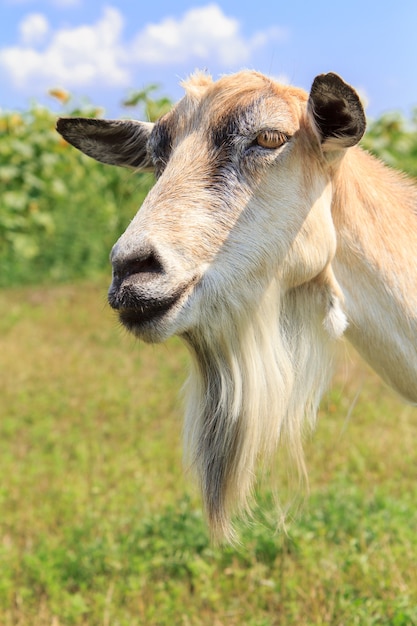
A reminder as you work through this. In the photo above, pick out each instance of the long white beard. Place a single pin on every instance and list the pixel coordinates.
(256, 382)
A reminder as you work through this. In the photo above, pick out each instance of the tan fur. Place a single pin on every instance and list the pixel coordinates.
(375, 215)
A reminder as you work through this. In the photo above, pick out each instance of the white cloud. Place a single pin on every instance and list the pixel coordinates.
(65, 3)
(33, 29)
(96, 55)
(73, 56)
(202, 34)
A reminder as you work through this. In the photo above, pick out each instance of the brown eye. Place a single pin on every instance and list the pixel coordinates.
(271, 139)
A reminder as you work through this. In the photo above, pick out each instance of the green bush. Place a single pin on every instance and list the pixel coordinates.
(60, 212)
(393, 138)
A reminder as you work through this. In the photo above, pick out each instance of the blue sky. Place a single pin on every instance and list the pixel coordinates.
(104, 50)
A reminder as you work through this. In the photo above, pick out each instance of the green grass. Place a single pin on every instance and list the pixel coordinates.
(100, 526)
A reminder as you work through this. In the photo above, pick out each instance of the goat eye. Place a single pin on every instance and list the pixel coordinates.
(271, 139)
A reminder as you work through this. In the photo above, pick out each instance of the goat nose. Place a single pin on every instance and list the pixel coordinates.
(132, 276)
(140, 264)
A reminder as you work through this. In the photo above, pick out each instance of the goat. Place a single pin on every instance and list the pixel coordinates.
(267, 236)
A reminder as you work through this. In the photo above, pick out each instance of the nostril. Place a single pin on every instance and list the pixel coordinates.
(145, 264)
(149, 264)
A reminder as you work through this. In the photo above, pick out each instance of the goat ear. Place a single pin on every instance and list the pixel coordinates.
(116, 142)
(336, 112)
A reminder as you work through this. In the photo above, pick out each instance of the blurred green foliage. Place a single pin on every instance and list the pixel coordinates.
(61, 212)
(152, 108)
(393, 138)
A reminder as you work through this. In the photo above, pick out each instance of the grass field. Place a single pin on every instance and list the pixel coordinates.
(99, 525)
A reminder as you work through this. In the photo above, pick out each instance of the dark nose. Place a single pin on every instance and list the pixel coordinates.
(147, 262)
(131, 274)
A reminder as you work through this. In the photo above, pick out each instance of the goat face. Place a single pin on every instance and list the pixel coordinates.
(242, 196)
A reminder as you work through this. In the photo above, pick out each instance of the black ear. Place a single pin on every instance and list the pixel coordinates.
(116, 142)
(336, 112)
